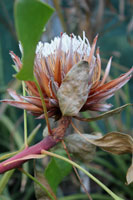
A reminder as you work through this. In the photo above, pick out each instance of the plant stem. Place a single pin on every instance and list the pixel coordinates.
(5, 178)
(47, 143)
(76, 172)
(44, 105)
(85, 171)
(37, 182)
(59, 12)
(128, 110)
(25, 119)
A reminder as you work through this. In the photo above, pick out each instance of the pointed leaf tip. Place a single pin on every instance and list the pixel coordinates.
(106, 114)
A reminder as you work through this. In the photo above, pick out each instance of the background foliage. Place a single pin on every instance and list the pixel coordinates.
(113, 20)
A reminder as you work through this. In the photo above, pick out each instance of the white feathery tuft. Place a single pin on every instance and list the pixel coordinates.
(79, 45)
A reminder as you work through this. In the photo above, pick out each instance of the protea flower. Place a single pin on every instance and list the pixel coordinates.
(69, 76)
(53, 63)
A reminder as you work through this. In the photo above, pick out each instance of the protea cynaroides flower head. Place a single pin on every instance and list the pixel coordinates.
(55, 63)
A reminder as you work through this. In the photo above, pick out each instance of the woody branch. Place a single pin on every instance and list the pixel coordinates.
(46, 144)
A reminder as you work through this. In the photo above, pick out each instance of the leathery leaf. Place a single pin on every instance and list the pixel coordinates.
(30, 18)
(74, 89)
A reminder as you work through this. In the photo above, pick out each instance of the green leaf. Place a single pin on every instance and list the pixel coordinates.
(56, 171)
(2, 197)
(30, 19)
(4, 180)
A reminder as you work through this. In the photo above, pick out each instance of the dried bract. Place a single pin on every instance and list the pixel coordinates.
(114, 142)
(129, 176)
(79, 147)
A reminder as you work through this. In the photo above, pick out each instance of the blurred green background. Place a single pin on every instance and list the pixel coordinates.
(113, 21)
